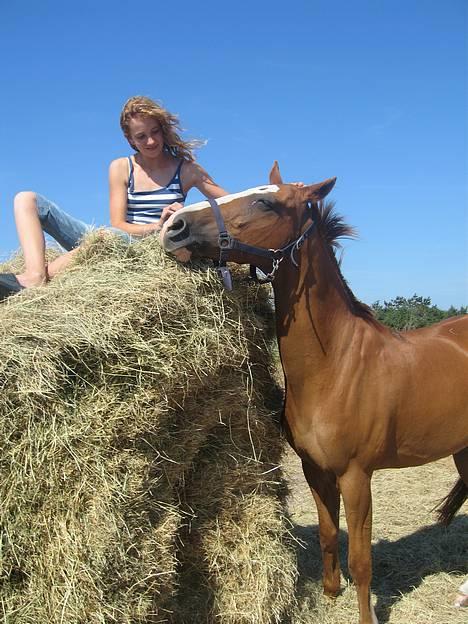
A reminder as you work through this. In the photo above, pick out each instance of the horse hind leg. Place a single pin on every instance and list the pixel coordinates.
(458, 494)
(327, 499)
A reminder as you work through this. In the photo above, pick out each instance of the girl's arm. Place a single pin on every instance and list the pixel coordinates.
(194, 176)
(118, 182)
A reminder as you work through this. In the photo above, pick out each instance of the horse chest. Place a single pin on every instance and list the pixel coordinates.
(315, 436)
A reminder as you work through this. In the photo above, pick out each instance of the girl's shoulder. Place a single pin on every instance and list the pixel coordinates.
(190, 173)
(120, 162)
(119, 169)
(191, 168)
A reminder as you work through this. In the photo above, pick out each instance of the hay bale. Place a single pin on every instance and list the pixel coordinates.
(139, 451)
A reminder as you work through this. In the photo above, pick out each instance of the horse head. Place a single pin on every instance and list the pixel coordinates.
(265, 217)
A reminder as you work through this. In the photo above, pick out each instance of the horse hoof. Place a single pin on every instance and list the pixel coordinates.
(331, 594)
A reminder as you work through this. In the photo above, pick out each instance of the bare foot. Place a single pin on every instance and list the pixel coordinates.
(29, 280)
(461, 599)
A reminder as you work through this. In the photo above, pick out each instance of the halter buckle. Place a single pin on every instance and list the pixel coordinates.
(224, 240)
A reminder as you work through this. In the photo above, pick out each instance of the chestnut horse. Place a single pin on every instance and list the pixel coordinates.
(359, 396)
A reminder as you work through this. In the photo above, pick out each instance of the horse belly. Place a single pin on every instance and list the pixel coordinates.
(432, 422)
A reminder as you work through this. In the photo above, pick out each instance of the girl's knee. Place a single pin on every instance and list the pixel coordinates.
(25, 200)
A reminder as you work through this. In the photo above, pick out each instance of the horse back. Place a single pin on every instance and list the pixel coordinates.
(453, 329)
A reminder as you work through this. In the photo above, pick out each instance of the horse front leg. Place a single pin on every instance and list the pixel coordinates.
(356, 491)
(327, 498)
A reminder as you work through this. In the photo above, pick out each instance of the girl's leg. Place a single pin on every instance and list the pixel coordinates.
(34, 215)
(31, 239)
(60, 263)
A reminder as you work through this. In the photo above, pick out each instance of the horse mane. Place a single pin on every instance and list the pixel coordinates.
(333, 227)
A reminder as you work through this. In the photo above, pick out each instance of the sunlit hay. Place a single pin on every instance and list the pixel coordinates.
(138, 441)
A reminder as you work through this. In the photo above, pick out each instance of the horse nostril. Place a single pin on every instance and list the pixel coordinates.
(178, 230)
(177, 224)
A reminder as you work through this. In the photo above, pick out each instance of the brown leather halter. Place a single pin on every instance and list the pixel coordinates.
(227, 243)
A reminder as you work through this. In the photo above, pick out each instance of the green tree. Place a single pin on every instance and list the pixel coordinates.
(402, 313)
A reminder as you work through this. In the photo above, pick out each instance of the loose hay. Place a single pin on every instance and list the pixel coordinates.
(139, 451)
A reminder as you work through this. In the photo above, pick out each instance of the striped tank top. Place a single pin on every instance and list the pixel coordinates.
(147, 206)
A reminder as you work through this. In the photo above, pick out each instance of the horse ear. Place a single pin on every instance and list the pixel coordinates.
(316, 192)
(275, 175)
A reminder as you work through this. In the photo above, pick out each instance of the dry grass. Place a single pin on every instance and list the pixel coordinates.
(139, 459)
(418, 565)
(139, 451)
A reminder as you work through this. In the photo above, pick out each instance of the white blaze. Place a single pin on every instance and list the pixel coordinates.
(257, 191)
(253, 192)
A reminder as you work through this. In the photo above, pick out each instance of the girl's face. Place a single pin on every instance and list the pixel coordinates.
(146, 134)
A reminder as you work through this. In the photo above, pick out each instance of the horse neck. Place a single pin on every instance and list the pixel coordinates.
(313, 306)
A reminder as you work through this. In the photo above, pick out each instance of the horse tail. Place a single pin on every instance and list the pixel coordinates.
(452, 502)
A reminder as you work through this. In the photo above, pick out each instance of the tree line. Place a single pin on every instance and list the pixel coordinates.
(402, 313)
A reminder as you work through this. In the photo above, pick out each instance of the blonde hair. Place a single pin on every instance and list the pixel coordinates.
(174, 144)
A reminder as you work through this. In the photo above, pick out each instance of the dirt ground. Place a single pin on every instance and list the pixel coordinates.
(417, 564)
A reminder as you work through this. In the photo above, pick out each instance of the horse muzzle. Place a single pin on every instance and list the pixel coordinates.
(176, 233)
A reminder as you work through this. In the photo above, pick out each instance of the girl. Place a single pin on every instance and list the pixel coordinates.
(145, 189)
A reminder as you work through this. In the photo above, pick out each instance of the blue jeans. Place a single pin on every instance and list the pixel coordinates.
(65, 229)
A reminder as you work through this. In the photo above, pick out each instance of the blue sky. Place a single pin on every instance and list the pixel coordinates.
(371, 91)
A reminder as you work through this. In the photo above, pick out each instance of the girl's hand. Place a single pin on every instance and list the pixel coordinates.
(169, 211)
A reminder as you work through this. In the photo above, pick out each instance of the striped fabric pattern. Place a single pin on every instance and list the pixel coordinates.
(146, 206)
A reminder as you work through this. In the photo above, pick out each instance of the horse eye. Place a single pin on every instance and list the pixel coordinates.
(267, 204)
